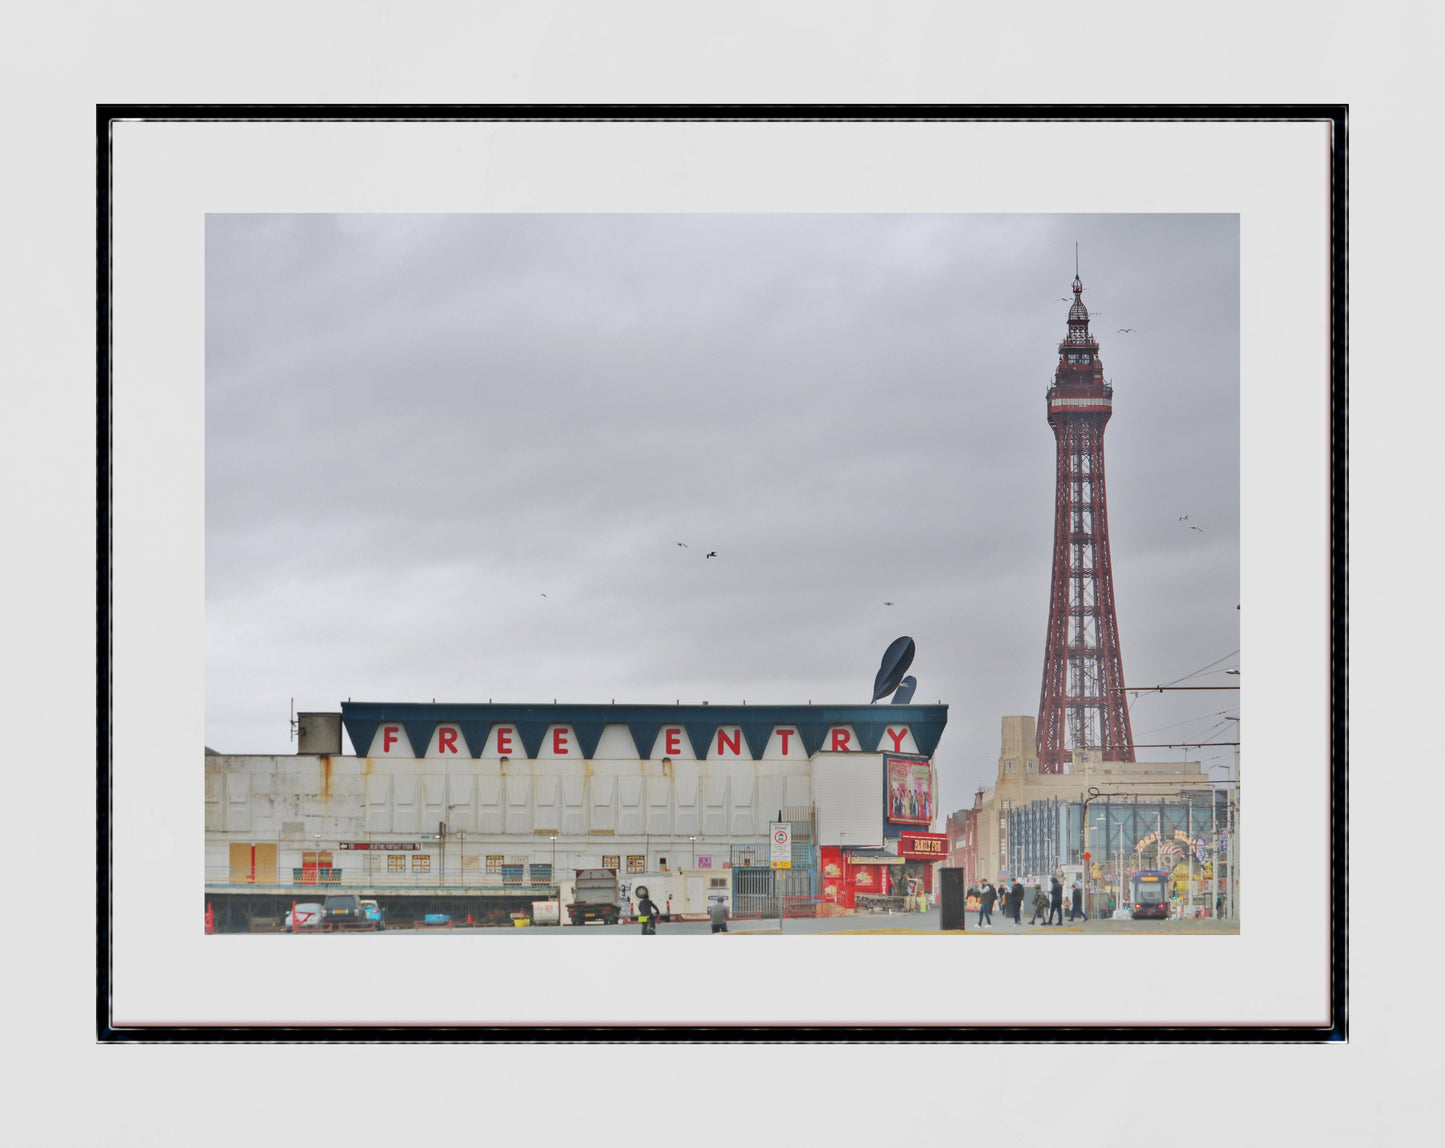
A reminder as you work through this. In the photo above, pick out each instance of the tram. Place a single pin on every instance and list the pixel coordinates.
(1149, 893)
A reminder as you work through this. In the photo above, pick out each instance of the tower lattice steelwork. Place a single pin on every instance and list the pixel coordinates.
(1081, 703)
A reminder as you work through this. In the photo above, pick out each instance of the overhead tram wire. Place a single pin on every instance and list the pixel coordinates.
(1137, 691)
(1202, 669)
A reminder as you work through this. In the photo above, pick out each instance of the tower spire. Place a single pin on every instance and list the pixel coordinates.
(1081, 700)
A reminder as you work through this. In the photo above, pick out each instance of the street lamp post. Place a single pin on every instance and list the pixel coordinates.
(554, 863)
(1119, 904)
(692, 841)
(1100, 820)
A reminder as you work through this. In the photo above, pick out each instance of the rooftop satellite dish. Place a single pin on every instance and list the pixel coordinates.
(896, 660)
(904, 694)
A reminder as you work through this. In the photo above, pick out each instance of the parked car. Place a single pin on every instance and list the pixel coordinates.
(308, 916)
(372, 914)
(341, 909)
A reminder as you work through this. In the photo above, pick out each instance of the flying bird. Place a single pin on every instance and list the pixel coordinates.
(710, 554)
(682, 543)
(544, 595)
(1193, 527)
(1123, 330)
(1184, 518)
(888, 603)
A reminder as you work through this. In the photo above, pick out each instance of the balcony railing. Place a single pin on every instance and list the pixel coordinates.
(451, 877)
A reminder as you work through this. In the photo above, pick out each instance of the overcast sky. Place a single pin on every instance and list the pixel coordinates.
(452, 456)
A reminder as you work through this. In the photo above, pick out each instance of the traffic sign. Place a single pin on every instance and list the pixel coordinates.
(780, 834)
(1087, 855)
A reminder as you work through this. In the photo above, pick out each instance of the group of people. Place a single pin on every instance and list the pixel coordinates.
(648, 912)
(1010, 899)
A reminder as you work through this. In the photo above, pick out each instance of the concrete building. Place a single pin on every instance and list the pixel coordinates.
(1123, 814)
(479, 810)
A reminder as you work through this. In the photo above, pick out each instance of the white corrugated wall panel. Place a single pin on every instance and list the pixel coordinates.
(848, 799)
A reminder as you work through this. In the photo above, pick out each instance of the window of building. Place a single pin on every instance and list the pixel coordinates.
(494, 863)
(636, 864)
(396, 862)
(542, 873)
(512, 874)
(662, 863)
(611, 861)
(421, 862)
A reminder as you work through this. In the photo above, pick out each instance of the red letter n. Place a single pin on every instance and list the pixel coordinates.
(734, 743)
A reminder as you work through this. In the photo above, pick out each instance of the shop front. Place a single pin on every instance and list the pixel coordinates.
(922, 854)
(863, 879)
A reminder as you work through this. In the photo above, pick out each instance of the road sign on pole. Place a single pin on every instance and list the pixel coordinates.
(780, 833)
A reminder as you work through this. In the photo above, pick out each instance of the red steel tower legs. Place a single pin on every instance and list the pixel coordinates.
(1081, 703)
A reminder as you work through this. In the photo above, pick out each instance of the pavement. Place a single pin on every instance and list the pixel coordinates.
(862, 924)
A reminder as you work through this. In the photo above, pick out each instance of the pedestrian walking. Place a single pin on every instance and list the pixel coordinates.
(986, 897)
(1016, 899)
(1076, 904)
(718, 913)
(1041, 904)
(1056, 902)
(647, 914)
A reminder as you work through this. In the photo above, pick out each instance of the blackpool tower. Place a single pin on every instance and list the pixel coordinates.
(1081, 703)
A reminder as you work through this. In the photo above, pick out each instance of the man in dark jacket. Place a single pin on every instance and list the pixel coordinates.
(1016, 899)
(1056, 902)
(987, 896)
(1076, 903)
(647, 914)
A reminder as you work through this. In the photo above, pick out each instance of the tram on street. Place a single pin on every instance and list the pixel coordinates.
(1149, 893)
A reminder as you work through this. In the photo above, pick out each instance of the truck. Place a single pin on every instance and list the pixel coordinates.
(597, 897)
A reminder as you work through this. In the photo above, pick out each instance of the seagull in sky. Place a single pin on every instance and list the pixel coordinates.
(1123, 330)
(544, 595)
(682, 543)
(710, 554)
(888, 603)
(1193, 527)
(1184, 518)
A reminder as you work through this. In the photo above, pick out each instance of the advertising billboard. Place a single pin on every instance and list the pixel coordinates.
(910, 790)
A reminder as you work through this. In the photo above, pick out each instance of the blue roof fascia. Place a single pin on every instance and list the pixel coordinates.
(644, 721)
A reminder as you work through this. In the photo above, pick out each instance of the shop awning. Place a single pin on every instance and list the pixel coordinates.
(873, 857)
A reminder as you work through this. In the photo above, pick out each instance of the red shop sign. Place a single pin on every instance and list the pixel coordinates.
(933, 846)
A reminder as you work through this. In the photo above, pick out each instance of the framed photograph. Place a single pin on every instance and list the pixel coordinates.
(695, 407)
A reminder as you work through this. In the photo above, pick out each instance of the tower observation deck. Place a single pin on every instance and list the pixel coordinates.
(1081, 702)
